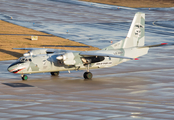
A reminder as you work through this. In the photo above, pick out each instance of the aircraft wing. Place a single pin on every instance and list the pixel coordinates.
(28, 48)
(94, 53)
(46, 49)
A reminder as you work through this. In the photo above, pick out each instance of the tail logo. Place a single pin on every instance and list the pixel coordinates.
(138, 30)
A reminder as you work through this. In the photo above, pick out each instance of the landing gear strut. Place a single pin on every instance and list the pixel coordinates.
(54, 73)
(24, 77)
(87, 74)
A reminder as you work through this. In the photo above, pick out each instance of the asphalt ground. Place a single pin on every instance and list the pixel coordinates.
(140, 89)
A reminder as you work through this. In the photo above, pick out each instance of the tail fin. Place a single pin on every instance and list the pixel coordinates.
(136, 34)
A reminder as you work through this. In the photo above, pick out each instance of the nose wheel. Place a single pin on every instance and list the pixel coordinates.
(24, 77)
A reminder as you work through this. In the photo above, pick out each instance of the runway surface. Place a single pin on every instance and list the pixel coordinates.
(142, 89)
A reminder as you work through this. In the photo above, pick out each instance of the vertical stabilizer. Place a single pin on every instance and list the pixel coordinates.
(135, 36)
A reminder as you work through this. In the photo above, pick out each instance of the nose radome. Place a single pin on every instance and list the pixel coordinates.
(10, 68)
(15, 68)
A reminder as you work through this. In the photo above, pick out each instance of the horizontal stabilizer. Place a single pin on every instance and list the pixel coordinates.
(154, 45)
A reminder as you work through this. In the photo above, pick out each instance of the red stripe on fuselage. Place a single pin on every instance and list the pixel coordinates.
(18, 70)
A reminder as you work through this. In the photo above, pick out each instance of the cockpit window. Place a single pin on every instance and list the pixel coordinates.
(16, 63)
(23, 59)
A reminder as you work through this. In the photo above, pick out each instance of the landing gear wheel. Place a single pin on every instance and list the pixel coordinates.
(55, 73)
(87, 75)
(24, 77)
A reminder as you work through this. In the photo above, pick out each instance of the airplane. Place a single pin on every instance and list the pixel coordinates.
(41, 60)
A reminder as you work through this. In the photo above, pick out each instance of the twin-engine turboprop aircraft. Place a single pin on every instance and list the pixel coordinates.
(40, 60)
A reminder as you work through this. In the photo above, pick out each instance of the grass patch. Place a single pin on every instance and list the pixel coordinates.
(20, 37)
(137, 3)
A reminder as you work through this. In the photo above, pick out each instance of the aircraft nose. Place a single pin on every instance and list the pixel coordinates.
(15, 68)
(11, 68)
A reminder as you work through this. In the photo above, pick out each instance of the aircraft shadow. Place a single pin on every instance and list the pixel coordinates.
(29, 35)
(15, 54)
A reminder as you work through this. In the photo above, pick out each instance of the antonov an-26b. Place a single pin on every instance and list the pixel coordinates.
(41, 60)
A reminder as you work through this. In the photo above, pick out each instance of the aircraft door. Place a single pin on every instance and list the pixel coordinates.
(41, 63)
(46, 63)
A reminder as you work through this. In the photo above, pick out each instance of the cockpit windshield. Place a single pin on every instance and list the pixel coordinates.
(24, 59)
(20, 61)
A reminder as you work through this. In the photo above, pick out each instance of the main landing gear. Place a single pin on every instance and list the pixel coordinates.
(87, 74)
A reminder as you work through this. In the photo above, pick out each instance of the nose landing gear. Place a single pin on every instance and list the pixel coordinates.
(24, 77)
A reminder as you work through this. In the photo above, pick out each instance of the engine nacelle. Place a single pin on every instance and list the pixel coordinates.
(67, 58)
(35, 52)
(61, 57)
(88, 60)
(26, 54)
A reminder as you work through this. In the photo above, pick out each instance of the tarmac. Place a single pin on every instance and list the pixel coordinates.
(142, 89)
